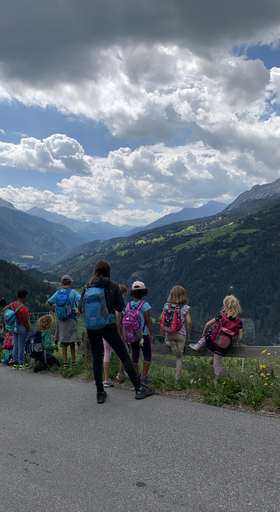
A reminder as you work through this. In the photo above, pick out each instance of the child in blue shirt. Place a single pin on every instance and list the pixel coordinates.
(66, 330)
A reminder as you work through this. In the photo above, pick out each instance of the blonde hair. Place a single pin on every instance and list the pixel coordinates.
(178, 295)
(123, 288)
(233, 306)
(45, 322)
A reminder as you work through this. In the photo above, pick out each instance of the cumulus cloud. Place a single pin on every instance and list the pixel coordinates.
(57, 153)
(137, 187)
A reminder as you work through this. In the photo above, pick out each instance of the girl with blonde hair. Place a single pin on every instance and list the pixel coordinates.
(227, 331)
(177, 300)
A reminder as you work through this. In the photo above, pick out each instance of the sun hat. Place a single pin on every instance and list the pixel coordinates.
(138, 285)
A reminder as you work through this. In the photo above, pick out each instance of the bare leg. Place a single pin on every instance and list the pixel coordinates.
(121, 370)
(135, 366)
(106, 370)
(73, 355)
(145, 369)
(64, 354)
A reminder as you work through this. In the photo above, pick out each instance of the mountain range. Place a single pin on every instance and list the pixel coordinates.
(38, 241)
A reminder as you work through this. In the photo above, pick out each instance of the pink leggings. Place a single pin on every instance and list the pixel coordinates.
(108, 351)
(217, 359)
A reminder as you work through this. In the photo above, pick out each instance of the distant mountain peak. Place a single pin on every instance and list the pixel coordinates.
(267, 191)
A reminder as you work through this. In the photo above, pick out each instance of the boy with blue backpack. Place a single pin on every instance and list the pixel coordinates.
(63, 302)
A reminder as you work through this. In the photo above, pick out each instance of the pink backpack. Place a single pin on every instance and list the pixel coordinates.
(225, 331)
(8, 341)
(171, 320)
(131, 323)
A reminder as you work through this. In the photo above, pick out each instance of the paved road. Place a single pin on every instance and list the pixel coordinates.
(60, 451)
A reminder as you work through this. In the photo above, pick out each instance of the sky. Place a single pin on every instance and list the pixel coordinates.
(126, 111)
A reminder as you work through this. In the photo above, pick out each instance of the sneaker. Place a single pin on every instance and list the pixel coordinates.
(108, 384)
(22, 366)
(74, 363)
(65, 366)
(15, 366)
(101, 397)
(196, 347)
(145, 380)
(174, 349)
(122, 376)
(143, 392)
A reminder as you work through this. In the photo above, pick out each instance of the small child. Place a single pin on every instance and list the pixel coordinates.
(228, 331)
(45, 358)
(8, 345)
(138, 291)
(176, 340)
(122, 375)
(66, 329)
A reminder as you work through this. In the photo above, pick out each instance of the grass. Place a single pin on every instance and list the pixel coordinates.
(259, 382)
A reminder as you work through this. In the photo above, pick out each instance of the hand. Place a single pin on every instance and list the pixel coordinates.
(152, 338)
(187, 335)
(77, 314)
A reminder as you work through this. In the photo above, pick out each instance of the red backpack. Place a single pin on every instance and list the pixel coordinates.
(171, 320)
(225, 331)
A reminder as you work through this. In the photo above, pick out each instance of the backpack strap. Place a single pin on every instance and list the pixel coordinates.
(17, 311)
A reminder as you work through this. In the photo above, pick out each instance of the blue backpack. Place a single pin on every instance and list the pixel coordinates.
(39, 341)
(95, 310)
(11, 318)
(63, 305)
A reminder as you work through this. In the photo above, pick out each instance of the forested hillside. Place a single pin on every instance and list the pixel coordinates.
(13, 278)
(233, 252)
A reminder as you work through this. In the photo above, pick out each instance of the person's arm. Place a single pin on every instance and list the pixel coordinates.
(119, 317)
(26, 323)
(211, 322)
(50, 306)
(119, 302)
(149, 325)
(189, 324)
(239, 337)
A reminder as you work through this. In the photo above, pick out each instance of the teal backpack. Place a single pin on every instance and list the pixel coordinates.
(10, 318)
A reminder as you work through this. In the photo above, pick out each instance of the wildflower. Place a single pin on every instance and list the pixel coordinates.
(223, 382)
(268, 374)
(271, 384)
(266, 378)
(251, 376)
(263, 351)
(262, 375)
(266, 384)
(268, 354)
(262, 366)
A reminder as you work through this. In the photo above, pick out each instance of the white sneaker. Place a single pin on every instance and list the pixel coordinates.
(196, 347)
(108, 384)
(122, 376)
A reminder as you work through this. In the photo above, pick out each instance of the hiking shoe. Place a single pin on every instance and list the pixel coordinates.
(143, 392)
(174, 349)
(65, 366)
(108, 384)
(22, 366)
(145, 380)
(39, 366)
(196, 347)
(101, 397)
(122, 376)
(15, 366)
